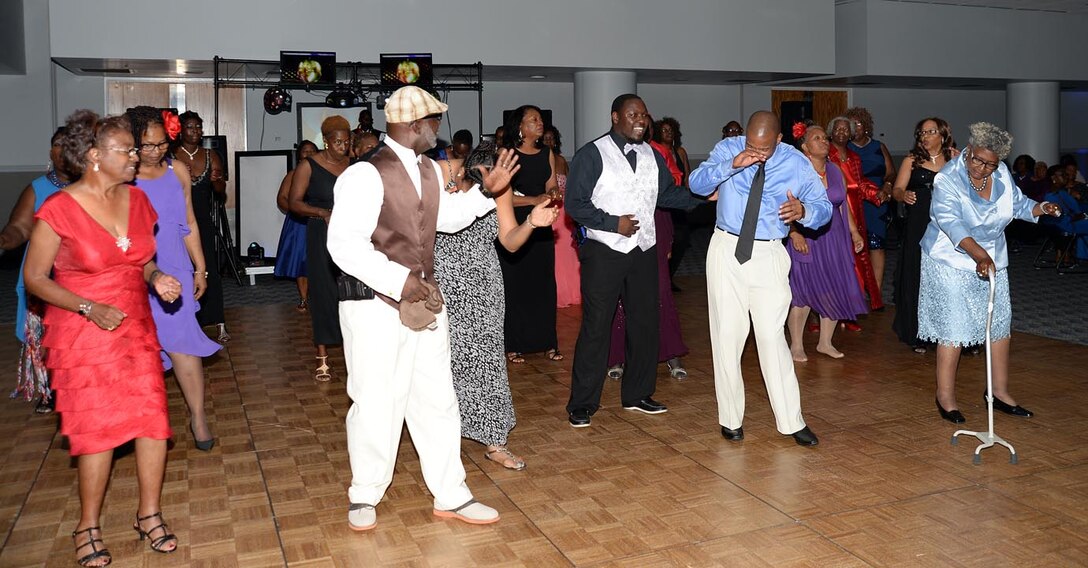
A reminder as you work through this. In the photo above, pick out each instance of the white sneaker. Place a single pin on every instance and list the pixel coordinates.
(473, 512)
(361, 517)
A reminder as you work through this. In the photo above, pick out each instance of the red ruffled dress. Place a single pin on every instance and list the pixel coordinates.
(109, 384)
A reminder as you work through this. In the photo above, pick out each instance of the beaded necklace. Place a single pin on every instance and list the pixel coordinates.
(51, 175)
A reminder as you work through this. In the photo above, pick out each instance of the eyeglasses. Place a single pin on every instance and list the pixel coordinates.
(152, 147)
(130, 151)
(930, 132)
(983, 163)
(734, 131)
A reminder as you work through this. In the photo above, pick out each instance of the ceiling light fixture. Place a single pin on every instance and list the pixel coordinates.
(342, 97)
(538, 76)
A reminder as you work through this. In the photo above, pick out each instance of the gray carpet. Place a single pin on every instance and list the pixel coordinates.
(1043, 302)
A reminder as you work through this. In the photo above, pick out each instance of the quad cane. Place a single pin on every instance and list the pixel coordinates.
(988, 439)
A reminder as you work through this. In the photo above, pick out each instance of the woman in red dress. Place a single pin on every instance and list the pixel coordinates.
(858, 190)
(97, 239)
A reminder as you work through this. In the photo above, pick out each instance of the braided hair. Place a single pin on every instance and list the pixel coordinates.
(141, 118)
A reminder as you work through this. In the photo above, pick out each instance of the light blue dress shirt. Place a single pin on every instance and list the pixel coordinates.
(958, 211)
(787, 170)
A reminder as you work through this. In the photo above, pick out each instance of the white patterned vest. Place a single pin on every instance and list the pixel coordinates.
(620, 191)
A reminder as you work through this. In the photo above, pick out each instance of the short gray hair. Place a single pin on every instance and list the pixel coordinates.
(849, 124)
(990, 137)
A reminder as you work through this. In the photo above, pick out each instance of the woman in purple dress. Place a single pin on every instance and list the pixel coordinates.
(822, 274)
(178, 252)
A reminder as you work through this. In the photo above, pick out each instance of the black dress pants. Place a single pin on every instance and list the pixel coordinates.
(608, 276)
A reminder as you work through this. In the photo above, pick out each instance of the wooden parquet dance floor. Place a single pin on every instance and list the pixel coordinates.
(884, 488)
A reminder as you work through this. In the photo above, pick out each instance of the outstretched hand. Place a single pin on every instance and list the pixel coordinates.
(497, 178)
(543, 214)
(791, 210)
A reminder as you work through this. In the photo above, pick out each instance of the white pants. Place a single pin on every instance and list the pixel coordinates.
(397, 375)
(759, 287)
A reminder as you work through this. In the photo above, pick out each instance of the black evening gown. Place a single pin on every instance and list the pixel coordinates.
(321, 270)
(529, 274)
(203, 197)
(908, 267)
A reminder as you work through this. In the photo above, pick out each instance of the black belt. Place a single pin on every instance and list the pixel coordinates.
(738, 236)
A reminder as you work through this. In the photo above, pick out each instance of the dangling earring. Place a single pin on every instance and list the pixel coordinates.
(521, 138)
(95, 168)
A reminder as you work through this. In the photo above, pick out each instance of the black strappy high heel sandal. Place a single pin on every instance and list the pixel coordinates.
(157, 544)
(96, 553)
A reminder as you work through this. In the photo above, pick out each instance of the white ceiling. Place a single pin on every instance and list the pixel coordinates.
(1079, 6)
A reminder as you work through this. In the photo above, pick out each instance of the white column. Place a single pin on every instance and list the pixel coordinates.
(593, 95)
(1033, 115)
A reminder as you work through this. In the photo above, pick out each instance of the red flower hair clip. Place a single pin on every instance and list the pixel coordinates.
(799, 130)
(171, 123)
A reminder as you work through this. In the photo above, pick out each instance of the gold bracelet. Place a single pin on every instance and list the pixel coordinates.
(203, 273)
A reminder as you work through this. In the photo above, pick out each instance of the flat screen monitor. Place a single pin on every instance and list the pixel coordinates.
(399, 69)
(313, 68)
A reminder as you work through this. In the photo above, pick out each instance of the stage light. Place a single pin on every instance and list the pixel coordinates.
(342, 97)
(276, 100)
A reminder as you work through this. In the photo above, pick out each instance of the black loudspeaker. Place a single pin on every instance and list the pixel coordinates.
(545, 115)
(218, 144)
(793, 112)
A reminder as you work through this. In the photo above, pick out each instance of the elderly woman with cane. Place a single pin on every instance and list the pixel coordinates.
(974, 199)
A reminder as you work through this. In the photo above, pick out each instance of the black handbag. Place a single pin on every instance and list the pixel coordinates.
(350, 288)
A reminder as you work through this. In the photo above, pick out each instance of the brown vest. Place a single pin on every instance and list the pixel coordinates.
(406, 225)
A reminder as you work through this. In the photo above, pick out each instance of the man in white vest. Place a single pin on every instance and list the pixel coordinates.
(615, 183)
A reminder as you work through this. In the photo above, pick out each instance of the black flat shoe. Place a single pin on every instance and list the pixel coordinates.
(579, 418)
(647, 405)
(1009, 409)
(953, 416)
(733, 435)
(805, 437)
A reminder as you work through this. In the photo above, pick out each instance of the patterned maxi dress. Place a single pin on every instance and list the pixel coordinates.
(466, 266)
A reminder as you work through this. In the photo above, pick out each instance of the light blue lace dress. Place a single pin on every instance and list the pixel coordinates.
(952, 301)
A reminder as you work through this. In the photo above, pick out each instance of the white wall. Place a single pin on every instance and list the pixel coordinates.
(74, 92)
(1074, 124)
(940, 40)
(624, 34)
(896, 111)
(27, 100)
(702, 110)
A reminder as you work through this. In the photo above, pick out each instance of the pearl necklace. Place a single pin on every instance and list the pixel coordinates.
(192, 155)
(978, 189)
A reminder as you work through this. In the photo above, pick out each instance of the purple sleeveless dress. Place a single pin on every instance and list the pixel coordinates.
(824, 279)
(176, 322)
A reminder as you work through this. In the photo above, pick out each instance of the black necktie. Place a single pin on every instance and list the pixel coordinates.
(751, 216)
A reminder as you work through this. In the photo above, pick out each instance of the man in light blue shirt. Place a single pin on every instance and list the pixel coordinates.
(763, 186)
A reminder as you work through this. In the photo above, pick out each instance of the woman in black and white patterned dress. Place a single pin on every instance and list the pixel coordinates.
(467, 268)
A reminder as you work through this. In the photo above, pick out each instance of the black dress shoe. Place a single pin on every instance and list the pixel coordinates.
(579, 418)
(805, 437)
(1008, 408)
(647, 405)
(733, 435)
(953, 416)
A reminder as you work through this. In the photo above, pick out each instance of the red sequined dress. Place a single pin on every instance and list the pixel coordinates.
(109, 384)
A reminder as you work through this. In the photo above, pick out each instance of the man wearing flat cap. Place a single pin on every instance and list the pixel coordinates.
(396, 342)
